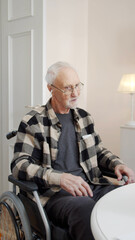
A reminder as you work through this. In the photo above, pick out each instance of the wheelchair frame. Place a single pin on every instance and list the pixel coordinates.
(28, 187)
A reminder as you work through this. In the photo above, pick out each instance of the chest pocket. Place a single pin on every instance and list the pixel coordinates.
(89, 140)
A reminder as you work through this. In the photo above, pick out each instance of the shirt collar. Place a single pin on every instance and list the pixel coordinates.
(52, 116)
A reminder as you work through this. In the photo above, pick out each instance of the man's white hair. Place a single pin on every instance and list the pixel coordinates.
(54, 70)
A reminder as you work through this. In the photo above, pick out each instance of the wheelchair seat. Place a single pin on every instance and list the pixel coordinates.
(113, 216)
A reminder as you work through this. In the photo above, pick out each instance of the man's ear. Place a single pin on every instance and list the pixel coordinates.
(49, 88)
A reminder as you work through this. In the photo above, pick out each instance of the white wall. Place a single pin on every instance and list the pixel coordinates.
(67, 35)
(111, 53)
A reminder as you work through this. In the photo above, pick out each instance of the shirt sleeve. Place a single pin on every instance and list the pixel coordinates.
(29, 162)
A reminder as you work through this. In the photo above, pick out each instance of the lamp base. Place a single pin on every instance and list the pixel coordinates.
(130, 123)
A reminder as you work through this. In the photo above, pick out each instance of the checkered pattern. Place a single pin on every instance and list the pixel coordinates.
(37, 147)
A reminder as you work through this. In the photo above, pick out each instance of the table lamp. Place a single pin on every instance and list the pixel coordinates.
(127, 85)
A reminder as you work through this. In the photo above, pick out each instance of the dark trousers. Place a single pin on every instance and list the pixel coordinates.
(74, 213)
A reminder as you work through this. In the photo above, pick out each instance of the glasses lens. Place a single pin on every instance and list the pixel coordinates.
(78, 87)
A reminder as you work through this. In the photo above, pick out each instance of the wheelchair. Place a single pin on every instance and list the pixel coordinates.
(23, 219)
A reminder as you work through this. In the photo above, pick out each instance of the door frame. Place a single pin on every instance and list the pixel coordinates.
(0, 97)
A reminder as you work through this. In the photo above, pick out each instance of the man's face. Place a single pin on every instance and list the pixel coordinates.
(65, 79)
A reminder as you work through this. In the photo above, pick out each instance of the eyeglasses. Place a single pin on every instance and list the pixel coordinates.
(69, 89)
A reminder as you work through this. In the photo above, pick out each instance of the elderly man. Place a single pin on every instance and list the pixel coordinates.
(58, 148)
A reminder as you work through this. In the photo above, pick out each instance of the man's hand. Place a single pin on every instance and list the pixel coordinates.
(124, 170)
(75, 185)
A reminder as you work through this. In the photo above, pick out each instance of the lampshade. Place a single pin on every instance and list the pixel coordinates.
(127, 84)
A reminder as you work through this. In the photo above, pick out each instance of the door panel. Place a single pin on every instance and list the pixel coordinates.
(20, 80)
(19, 9)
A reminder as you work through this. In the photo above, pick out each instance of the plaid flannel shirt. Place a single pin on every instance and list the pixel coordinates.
(36, 148)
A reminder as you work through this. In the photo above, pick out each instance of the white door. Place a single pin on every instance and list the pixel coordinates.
(23, 66)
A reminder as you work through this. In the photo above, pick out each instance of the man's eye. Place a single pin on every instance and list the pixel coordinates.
(68, 88)
(77, 85)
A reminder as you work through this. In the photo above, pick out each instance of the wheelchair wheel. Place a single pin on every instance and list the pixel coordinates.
(14, 223)
(8, 225)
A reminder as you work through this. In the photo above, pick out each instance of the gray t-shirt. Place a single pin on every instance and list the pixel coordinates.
(68, 153)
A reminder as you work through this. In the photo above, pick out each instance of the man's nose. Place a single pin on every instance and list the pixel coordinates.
(74, 92)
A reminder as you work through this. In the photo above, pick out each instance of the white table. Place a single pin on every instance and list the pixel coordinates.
(113, 217)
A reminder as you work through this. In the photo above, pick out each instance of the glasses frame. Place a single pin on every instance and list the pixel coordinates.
(70, 90)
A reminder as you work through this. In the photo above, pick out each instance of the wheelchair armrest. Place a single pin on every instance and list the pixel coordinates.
(11, 134)
(23, 185)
